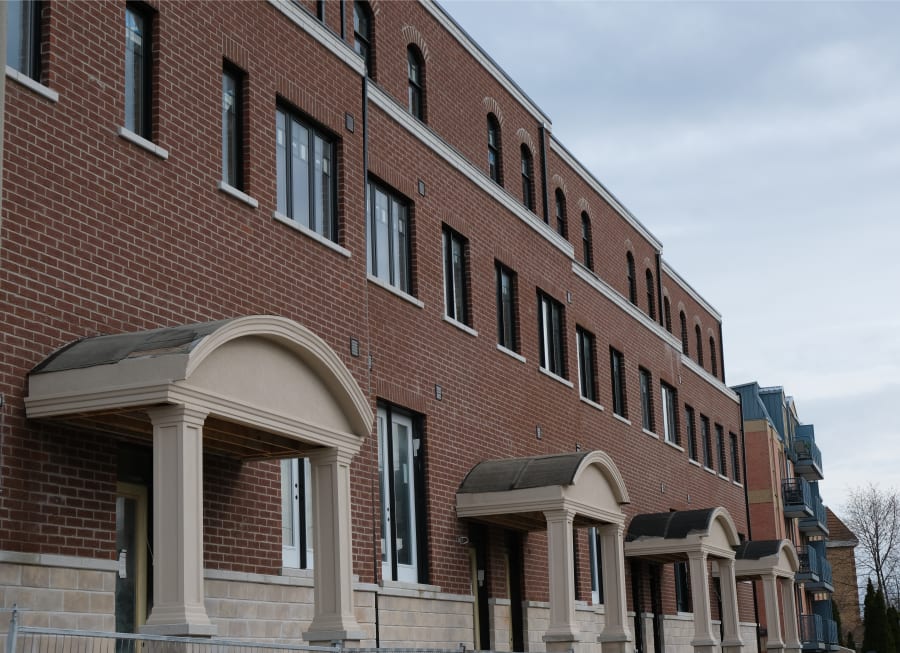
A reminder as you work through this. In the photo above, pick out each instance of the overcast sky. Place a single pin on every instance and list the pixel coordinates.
(760, 141)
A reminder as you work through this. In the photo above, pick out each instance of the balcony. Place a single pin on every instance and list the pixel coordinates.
(797, 497)
(824, 582)
(815, 523)
(812, 632)
(808, 571)
(807, 458)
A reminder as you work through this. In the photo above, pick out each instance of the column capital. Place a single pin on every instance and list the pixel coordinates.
(330, 456)
(177, 414)
(560, 514)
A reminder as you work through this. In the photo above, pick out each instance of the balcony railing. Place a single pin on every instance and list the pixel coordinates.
(807, 457)
(809, 565)
(797, 497)
(831, 632)
(812, 632)
(816, 522)
(825, 580)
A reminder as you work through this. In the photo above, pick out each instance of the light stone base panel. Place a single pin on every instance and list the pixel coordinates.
(413, 619)
(589, 618)
(501, 624)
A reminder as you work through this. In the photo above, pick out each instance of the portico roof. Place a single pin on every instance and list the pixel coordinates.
(670, 536)
(766, 557)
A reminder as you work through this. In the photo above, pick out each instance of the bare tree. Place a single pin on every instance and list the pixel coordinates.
(873, 515)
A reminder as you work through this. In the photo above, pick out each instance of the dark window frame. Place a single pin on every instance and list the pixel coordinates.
(720, 450)
(559, 206)
(363, 30)
(706, 442)
(713, 362)
(667, 314)
(670, 413)
(632, 281)
(455, 248)
(587, 363)
(551, 335)
(495, 149)
(415, 68)
(233, 132)
(139, 100)
(698, 335)
(28, 15)
(683, 602)
(691, 434)
(685, 349)
(617, 376)
(527, 177)
(398, 237)
(735, 457)
(651, 294)
(507, 318)
(587, 241)
(648, 418)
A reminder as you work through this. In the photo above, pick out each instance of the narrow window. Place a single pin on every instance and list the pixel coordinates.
(647, 420)
(232, 127)
(617, 375)
(23, 37)
(305, 174)
(494, 159)
(596, 566)
(320, 10)
(587, 369)
(138, 70)
(400, 471)
(507, 332)
(651, 295)
(296, 513)
(527, 178)
(735, 457)
(362, 35)
(416, 85)
(699, 338)
(560, 210)
(550, 335)
(388, 235)
(682, 588)
(720, 450)
(713, 363)
(707, 444)
(632, 281)
(587, 247)
(684, 333)
(667, 314)
(691, 432)
(455, 286)
(670, 413)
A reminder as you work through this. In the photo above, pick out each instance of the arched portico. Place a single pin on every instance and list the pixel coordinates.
(556, 493)
(252, 387)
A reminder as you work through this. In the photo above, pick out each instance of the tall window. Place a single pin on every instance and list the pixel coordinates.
(362, 34)
(388, 235)
(400, 470)
(232, 127)
(455, 287)
(550, 334)
(720, 450)
(684, 333)
(705, 438)
(735, 457)
(651, 295)
(699, 338)
(527, 178)
(682, 588)
(647, 420)
(23, 37)
(416, 83)
(632, 281)
(296, 513)
(494, 158)
(587, 369)
(587, 246)
(507, 331)
(560, 210)
(670, 413)
(306, 180)
(713, 363)
(691, 432)
(596, 566)
(617, 375)
(138, 70)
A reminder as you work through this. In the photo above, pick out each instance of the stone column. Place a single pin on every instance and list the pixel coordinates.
(333, 615)
(773, 612)
(562, 631)
(178, 596)
(731, 618)
(615, 637)
(704, 641)
(792, 643)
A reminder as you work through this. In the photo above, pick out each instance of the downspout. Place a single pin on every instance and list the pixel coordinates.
(659, 295)
(747, 512)
(542, 130)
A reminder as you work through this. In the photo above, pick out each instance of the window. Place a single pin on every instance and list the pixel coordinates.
(388, 234)
(494, 158)
(586, 241)
(560, 207)
(416, 85)
(455, 289)
(617, 374)
(306, 180)
(587, 369)
(651, 296)
(720, 450)
(682, 588)
(705, 440)
(667, 314)
(684, 333)
(362, 35)
(550, 334)
(735, 458)
(402, 502)
(23, 37)
(691, 432)
(670, 413)
(646, 400)
(320, 10)
(596, 566)
(632, 282)
(296, 513)
(527, 178)
(713, 363)
(138, 70)
(232, 127)
(507, 325)
(699, 338)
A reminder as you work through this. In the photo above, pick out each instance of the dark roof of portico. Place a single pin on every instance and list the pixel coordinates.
(670, 525)
(757, 549)
(522, 473)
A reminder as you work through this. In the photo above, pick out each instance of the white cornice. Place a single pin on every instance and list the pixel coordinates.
(320, 33)
(677, 278)
(601, 190)
(384, 102)
(689, 362)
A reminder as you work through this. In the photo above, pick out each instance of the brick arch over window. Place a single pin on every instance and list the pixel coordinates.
(525, 139)
(414, 37)
(584, 205)
(558, 181)
(492, 106)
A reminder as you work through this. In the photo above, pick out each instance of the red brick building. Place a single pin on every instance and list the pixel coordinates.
(312, 329)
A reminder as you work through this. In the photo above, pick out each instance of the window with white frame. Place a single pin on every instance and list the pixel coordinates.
(550, 335)
(388, 234)
(670, 413)
(296, 513)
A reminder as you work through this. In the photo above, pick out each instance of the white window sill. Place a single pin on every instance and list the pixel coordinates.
(694, 462)
(511, 353)
(556, 378)
(674, 446)
(737, 483)
(26, 81)
(462, 327)
(710, 470)
(395, 291)
(650, 433)
(228, 189)
(592, 404)
(319, 238)
(142, 142)
(624, 420)
(724, 478)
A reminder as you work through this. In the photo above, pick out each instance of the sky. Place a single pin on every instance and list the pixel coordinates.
(760, 142)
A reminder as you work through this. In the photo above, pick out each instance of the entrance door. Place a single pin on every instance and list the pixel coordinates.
(131, 549)
(515, 571)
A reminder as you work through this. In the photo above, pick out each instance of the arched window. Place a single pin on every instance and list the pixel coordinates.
(362, 35)
(416, 74)
(561, 213)
(667, 314)
(587, 247)
(651, 296)
(684, 334)
(699, 336)
(494, 159)
(713, 363)
(632, 282)
(527, 178)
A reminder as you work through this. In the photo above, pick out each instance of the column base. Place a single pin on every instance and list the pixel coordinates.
(614, 642)
(181, 621)
(325, 631)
